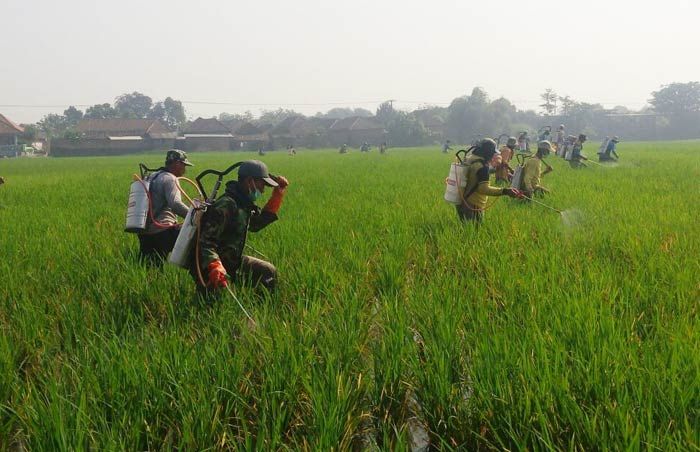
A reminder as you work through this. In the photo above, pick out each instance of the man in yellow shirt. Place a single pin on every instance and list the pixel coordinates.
(532, 170)
(478, 190)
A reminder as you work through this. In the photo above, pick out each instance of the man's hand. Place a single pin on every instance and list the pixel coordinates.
(282, 181)
(217, 275)
(512, 193)
(275, 202)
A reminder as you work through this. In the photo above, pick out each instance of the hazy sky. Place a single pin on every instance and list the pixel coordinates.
(313, 55)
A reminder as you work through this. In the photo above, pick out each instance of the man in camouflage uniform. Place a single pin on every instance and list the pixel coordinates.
(224, 227)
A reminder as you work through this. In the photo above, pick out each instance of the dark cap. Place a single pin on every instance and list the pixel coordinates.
(257, 170)
(176, 155)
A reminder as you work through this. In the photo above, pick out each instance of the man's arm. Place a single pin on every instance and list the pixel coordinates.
(172, 195)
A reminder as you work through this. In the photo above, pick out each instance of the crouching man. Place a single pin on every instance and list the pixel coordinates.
(224, 228)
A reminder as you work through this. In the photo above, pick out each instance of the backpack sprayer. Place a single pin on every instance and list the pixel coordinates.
(190, 229)
(180, 253)
(139, 205)
(457, 178)
(517, 180)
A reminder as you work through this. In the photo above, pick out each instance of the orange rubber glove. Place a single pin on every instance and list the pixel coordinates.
(217, 275)
(275, 202)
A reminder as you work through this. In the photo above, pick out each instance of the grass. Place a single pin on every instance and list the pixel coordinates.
(391, 317)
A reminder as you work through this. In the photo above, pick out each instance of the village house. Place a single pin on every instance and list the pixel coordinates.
(114, 137)
(250, 137)
(207, 134)
(9, 136)
(356, 130)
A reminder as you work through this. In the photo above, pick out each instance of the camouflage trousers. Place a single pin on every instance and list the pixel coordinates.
(252, 271)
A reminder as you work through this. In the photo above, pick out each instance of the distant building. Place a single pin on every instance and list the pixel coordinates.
(114, 137)
(9, 131)
(207, 134)
(248, 136)
(356, 130)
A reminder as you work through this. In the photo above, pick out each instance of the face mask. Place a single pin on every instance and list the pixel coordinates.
(254, 194)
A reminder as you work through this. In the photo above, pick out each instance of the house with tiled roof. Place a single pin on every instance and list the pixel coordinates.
(251, 137)
(207, 134)
(9, 131)
(356, 130)
(114, 137)
(124, 129)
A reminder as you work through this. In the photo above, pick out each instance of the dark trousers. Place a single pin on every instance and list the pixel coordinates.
(154, 248)
(468, 213)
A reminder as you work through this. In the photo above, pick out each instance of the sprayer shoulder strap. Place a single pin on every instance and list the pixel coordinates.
(476, 183)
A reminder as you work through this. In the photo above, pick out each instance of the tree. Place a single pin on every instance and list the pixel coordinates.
(29, 134)
(134, 105)
(405, 130)
(277, 116)
(336, 113)
(100, 111)
(170, 112)
(362, 112)
(53, 125)
(550, 102)
(72, 115)
(567, 104)
(677, 98)
(386, 112)
(246, 117)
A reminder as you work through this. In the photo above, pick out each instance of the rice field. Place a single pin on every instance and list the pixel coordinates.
(394, 326)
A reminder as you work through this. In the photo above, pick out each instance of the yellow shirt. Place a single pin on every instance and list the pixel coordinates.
(478, 183)
(532, 171)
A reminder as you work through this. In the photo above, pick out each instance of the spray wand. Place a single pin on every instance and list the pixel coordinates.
(542, 204)
(240, 305)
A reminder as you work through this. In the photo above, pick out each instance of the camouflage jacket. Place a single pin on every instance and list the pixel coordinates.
(224, 228)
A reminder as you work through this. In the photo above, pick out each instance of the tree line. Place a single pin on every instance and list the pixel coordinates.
(465, 118)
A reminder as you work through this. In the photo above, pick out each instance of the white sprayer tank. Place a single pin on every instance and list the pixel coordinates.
(517, 180)
(185, 239)
(455, 183)
(137, 208)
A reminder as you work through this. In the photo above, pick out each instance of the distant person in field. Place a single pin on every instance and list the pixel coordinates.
(477, 189)
(532, 170)
(224, 228)
(603, 145)
(446, 147)
(503, 171)
(364, 147)
(544, 135)
(166, 205)
(343, 149)
(523, 142)
(561, 136)
(610, 148)
(382, 147)
(577, 157)
(2, 180)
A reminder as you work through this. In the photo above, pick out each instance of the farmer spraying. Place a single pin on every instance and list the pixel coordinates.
(224, 227)
(477, 189)
(523, 142)
(575, 160)
(166, 205)
(503, 170)
(561, 136)
(446, 147)
(532, 170)
(610, 148)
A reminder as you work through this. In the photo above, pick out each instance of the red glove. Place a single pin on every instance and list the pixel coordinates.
(275, 202)
(217, 275)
